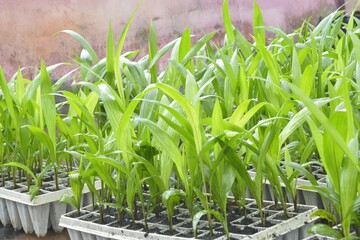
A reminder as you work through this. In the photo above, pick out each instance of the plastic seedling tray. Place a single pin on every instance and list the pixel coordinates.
(44, 211)
(304, 196)
(87, 227)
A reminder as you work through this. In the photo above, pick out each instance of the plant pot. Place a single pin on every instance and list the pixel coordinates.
(38, 215)
(86, 226)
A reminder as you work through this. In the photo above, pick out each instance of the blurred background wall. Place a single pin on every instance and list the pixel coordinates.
(28, 28)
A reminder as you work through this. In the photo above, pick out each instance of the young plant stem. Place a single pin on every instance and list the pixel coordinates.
(56, 178)
(135, 214)
(28, 181)
(120, 215)
(41, 158)
(261, 212)
(170, 225)
(210, 224)
(283, 203)
(14, 176)
(262, 216)
(93, 199)
(146, 227)
(295, 203)
(101, 214)
(276, 201)
(68, 161)
(207, 207)
(103, 198)
(226, 222)
(143, 210)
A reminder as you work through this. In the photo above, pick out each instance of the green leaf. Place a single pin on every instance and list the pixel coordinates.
(85, 44)
(280, 33)
(307, 80)
(170, 198)
(70, 200)
(258, 21)
(302, 170)
(221, 219)
(243, 80)
(23, 167)
(112, 104)
(227, 22)
(241, 171)
(84, 115)
(46, 169)
(296, 69)
(42, 137)
(20, 86)
(153, 50)
(184, 48)
(77, 186)
(320, 116)
(298, 120)
(33, 87)
(272, 65)
(196, 48)
(201, 196)
(349, 187)
(162, 52)
(332, 151)
(48, 106)
(110, 58)
(136, 74)
(356, 42)
(33, 191)
(238, 116)
(8, 99)
(323, 214)
(196, 219)
(102, 171)
(217, 215)
(117, 57)
(167, 144)
(246, 47)
(131, 191)
(325, 230)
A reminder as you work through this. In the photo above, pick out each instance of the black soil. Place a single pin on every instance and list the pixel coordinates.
(246, 221)
(135, 226)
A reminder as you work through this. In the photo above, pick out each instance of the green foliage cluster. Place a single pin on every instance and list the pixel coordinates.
(189, 134)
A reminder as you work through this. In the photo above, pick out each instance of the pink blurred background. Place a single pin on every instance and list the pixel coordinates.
(27, 28)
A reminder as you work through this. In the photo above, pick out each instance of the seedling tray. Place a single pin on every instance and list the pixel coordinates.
(44, 211)
(304, 196)
(86, 226)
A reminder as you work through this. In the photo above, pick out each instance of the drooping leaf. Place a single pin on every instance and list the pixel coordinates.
(44, 138)
(170, 198)
(323, 214)
(84, 43)
(325, 230)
